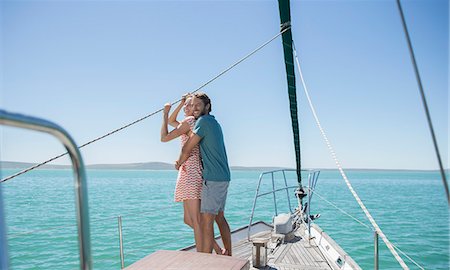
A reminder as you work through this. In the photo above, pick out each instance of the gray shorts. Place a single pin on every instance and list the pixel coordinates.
(214, 196)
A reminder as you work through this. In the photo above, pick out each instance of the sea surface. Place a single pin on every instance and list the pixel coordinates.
(409, 206)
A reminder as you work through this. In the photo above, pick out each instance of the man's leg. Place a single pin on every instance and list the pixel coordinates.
(224, 229)
(208, 232)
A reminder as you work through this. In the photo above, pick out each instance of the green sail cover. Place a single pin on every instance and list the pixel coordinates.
(285, 17)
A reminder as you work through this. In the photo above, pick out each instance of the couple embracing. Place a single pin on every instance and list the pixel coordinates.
(203, 171)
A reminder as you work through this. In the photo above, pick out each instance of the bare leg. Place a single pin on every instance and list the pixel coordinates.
(187, 218)
(188, 221)
(192, 218)
(208, 232)
(224, 229)
(217, 248)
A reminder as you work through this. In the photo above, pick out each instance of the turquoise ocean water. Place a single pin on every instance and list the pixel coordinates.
(409, 206)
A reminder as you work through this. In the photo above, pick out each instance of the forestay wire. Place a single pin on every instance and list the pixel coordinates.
(344, 176)
(283, 29)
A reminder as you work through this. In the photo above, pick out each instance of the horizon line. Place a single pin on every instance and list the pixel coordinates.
(231, 166)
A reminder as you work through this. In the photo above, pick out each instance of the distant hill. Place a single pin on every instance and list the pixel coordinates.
(242, 168)
(125, 166)
(165, 166)
(133, 166)
(24, 165)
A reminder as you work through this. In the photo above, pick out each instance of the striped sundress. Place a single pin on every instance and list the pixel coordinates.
(189, 182)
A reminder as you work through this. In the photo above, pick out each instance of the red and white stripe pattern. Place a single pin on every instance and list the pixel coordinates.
(189, 182)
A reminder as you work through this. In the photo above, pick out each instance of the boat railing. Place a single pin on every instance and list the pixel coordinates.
(80, 184)
(312, 176)
(120, 234)
(312, 181)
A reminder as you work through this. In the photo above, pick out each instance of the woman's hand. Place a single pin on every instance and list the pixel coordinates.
(167, 107)
(184, 97)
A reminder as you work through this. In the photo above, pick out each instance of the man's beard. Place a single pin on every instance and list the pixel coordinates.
(201, 113)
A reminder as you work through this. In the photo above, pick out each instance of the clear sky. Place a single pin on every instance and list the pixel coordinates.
(93, 66)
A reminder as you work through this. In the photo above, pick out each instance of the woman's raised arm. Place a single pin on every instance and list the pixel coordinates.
(166, 136)
(173, 117)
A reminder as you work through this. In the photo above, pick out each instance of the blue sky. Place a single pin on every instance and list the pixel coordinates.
(93, 66)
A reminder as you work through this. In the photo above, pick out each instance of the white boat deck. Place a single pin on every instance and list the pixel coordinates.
(294, 253)
(182, 260)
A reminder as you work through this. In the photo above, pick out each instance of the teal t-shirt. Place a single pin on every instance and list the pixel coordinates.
(212, 148)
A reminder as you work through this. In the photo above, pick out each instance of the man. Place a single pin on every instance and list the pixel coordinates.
(216, 172)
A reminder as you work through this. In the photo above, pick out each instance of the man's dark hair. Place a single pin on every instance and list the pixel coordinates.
(205, 99)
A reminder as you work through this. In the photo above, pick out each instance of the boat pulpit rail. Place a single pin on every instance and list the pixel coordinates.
(312, 181)
(80, 183)
(312, 177)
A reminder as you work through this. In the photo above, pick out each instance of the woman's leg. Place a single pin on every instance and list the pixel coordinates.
(192, 214)
(189, 222)
(187, 218)
(218, 249)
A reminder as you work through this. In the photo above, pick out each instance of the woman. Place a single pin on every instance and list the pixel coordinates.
(189, 182)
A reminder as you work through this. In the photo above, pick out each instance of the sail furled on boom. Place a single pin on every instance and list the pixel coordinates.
(285, 17)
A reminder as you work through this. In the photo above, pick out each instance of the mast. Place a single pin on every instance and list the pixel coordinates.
(285, 18)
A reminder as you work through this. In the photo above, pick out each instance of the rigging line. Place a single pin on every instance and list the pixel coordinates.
(56, 227)
(409, 258)
(424, 101)
(344, 176)
(92, 220)
(365, 225)
(283, 29)
(335, 206)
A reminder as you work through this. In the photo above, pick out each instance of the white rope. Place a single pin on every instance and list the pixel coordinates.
(344, 176)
